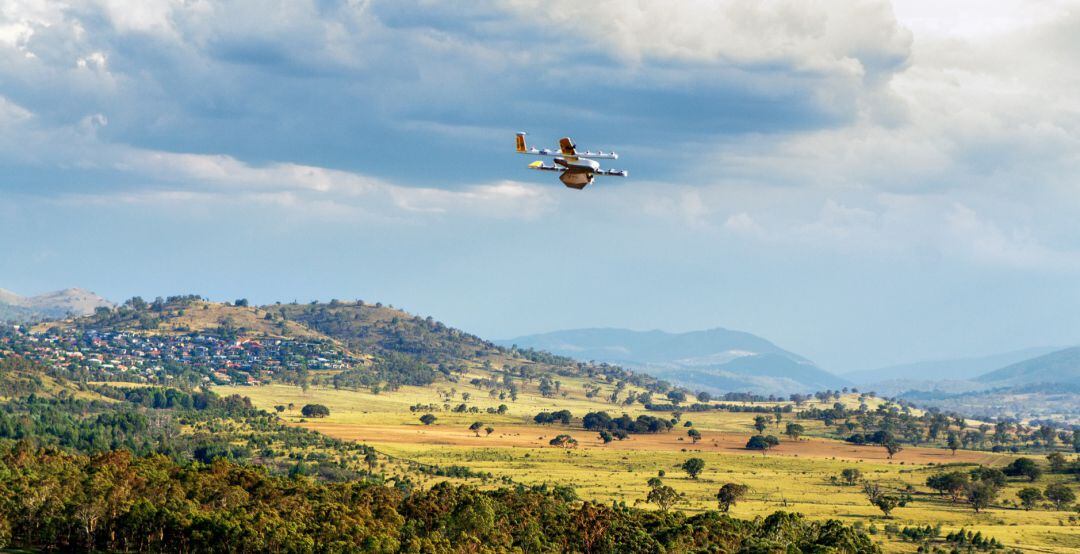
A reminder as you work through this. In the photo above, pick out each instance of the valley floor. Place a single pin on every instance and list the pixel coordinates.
(798, 475)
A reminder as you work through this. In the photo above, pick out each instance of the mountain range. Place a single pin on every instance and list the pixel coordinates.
(1060, 367)
(951, 369)
(718, 360)
(51, 305)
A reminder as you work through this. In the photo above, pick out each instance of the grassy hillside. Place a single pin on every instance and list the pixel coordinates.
(148, 468)
(800, 474)
(379, 329)
(183, 315)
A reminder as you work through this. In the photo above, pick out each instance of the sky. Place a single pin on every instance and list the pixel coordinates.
(865, 183)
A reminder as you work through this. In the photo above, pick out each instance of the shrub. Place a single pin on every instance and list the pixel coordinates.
(315, 410)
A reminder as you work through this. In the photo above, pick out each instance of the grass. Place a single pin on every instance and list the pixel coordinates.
(796, 477)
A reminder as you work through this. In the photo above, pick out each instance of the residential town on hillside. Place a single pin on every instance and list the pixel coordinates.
(159, 358)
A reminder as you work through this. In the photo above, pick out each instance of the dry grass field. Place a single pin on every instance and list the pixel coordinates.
(798, 475)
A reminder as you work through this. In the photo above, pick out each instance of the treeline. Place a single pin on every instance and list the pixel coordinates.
(699, 407)
(601, 421)
(390, 370)
(119, 502)
(163, 398)
(186, 426)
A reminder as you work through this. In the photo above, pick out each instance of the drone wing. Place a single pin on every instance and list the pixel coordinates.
(566, 149)
(540, 165)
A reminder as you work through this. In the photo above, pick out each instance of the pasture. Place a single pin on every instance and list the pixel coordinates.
(798, 475)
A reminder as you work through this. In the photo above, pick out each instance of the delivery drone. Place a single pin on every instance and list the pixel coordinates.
(577, 168)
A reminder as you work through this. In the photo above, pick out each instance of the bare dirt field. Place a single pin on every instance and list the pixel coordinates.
(538, 437)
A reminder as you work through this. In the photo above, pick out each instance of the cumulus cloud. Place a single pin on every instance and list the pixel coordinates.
(189, 76)
(858, 39)
(850, 126)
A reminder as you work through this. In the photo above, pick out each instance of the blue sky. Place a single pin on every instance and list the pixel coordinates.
(865, 183)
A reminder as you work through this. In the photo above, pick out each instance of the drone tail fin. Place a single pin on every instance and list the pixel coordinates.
(521, 143)
(567, 146)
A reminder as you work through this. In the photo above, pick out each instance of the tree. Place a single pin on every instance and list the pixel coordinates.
(851, 475)
(371, 459)
(428, 419)
(729, 494)
(1060, 494)
(758, 442)
(884, 502)
(664, 496)
(981, 494)
(793, 431)
(953, 483)
(1024, 467)
(693, 467)
(1057, 462)
(1029, 496)
(761, 423)
(953, 442)
(1047, 434)
(676, 396)
(476, 427)
(694, 435)
(489, 430)
(892, 447)
(565, 441)
(991, 475)
(315, 410)
(606, 436)
(279, 408)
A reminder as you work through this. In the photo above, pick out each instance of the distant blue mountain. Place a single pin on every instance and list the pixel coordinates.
(720, 360)
(957, 369)
(1061, 366)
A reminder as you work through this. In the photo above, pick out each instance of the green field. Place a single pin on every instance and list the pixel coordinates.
(797, 476)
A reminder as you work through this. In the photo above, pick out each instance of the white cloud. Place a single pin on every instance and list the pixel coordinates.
(985, 242)
(915, 109)
(179, 179)
(11, 112)
(742, 223)
(834, 36)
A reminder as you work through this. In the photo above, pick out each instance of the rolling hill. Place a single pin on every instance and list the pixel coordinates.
(719, 360)
(52, 305)
(951, 369)
(950, 376)
(1061, 366)
(1042, 387)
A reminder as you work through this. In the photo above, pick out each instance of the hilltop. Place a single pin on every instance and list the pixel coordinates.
(366, 345)
(186, 314)
(51, 305)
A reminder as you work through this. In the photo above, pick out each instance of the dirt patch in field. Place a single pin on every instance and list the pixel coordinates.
(538, 437)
